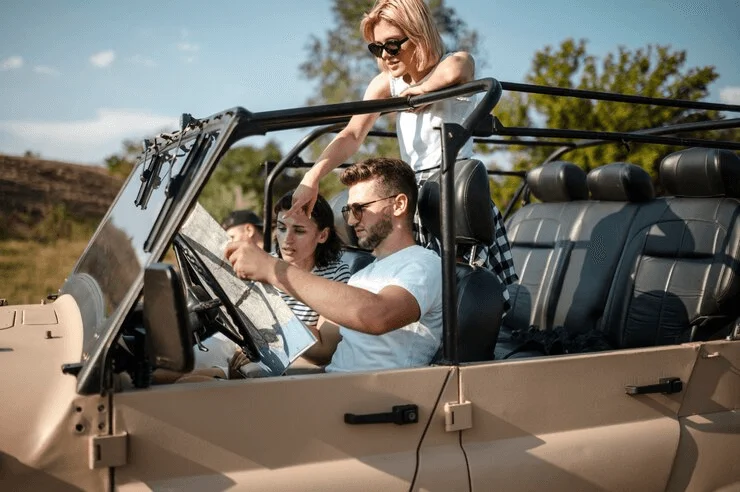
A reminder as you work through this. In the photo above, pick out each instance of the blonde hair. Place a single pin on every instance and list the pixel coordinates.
(415, 20)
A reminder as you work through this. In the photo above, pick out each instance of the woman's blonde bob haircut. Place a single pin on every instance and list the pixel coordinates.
(414, 19)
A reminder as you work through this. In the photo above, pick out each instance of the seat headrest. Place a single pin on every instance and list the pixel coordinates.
(345, 232)
(473, 217)
(558, 181)
(700, 172)
(620, 182)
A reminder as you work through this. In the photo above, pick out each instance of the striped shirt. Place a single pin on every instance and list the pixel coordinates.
(337, 271)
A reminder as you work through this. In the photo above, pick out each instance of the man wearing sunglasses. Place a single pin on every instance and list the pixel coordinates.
(389, 314)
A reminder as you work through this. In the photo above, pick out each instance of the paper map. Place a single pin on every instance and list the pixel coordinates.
(282, 337)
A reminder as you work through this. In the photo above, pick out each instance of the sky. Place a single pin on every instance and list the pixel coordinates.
(77, 77)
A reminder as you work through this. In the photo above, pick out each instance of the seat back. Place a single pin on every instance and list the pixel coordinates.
(568, 249)
(538, 235)
(480, 301)
(679, 275)
(353, 255)
(618, 191)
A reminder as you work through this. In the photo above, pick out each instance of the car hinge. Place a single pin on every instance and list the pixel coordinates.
(458, 416)
(108, 451)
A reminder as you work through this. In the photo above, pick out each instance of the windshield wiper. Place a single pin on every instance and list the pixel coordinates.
(150, 180)
(174, 186)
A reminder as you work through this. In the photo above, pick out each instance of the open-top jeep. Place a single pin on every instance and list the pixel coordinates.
(616, 368)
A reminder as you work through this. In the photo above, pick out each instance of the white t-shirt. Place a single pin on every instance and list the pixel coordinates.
(419, 139)
(419, 271)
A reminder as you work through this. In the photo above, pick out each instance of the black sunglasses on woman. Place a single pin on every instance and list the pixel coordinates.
(392, 47)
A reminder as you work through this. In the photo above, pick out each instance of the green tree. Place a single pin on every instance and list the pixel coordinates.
(341, 67)
(121, 164)
(654, 71)
(239, 179)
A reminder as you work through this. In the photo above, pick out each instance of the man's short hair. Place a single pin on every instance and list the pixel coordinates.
(393, 175)
(241, 217)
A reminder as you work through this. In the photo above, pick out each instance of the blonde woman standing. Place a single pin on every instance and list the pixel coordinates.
(402, 35)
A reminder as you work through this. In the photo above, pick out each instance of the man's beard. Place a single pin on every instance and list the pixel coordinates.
(376, 234)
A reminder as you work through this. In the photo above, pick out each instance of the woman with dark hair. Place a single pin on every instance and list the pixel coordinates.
(311, 244)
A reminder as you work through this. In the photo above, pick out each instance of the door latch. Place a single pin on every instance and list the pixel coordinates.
(399, 415)
(667, 386)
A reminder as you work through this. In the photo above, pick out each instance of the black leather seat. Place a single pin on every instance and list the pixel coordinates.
(679, 273)
(539, 234)
(355, 257)
(480, 302)
(578, 243)
(625, 269)
(596, 241)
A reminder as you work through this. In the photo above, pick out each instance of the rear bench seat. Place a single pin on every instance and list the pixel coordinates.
(679, 275)
(574, 246)
(623, 268)
(536, 235)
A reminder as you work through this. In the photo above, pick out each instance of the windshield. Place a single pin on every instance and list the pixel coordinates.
(108, 276)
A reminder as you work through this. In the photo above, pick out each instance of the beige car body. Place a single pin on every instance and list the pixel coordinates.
(555, 423)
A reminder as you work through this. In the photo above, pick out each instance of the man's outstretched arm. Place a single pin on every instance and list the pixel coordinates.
(345, 305)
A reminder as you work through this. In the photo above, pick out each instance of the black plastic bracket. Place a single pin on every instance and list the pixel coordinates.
(666, 386)
(72, 369)
(399, 415)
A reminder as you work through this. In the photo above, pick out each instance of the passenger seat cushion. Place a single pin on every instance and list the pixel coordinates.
(558, 181)
(620, 182)
(701, 173)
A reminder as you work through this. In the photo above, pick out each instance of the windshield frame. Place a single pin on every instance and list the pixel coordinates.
(95, 373)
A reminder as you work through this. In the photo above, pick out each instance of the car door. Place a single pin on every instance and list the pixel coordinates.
(289, 433)
(710, 422)
(567, 422)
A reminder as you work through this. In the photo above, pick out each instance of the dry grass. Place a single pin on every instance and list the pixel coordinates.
(30, 270)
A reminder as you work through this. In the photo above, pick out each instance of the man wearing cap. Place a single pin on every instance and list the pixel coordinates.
(244, 225)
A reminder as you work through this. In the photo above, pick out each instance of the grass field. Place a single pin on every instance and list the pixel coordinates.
(30, 270)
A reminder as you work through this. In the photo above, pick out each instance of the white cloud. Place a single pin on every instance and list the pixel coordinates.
(45, 70)
(730, 95)
(188, 47)
(143, 60)
(11, 63)
(103, 59)
(82, 141)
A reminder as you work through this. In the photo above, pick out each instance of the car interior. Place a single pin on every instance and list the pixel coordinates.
(608, 265)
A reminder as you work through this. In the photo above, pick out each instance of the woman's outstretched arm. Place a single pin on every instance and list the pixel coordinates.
(344, 145)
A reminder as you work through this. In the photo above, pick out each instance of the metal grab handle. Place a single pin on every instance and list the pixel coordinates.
(666, 386)
(399, 415)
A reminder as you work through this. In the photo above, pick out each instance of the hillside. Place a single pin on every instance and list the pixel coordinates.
(48, 211)
(34, 190)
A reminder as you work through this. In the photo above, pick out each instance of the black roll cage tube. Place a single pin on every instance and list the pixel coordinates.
(481, 125)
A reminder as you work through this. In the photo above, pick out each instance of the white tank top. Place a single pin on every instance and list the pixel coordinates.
(419, 138)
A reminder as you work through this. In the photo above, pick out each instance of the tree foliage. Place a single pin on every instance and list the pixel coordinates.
(239, 180)
(121, 164)
(654, 71)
